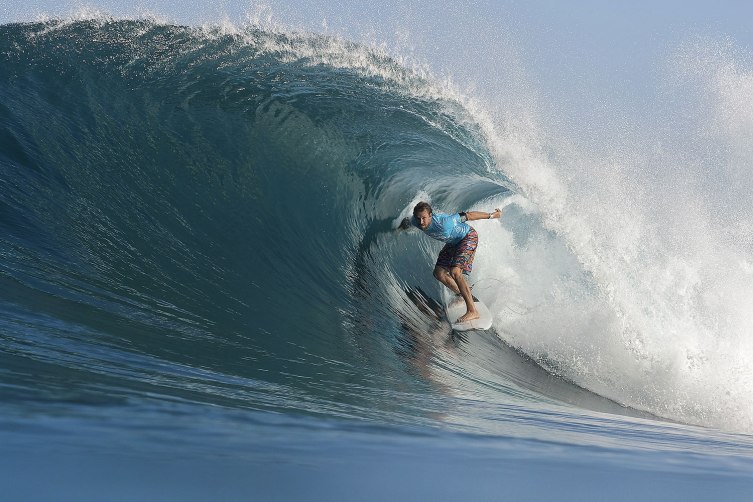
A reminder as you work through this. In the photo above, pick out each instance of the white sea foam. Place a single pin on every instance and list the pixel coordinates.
(638, 286)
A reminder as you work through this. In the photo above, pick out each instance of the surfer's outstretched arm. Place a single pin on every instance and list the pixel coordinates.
(481, 215)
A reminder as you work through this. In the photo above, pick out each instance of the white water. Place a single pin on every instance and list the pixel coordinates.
(642, 289)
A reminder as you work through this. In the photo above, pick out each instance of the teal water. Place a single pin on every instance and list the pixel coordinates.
(202, 293)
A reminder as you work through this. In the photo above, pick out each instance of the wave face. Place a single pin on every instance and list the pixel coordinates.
(207, 217)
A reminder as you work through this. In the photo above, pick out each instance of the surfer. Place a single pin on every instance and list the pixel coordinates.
(456, 258)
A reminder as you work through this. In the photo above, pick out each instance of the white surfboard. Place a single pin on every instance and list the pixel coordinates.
(455, 307)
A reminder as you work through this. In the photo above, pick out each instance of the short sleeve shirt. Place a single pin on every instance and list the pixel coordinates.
(449, 228)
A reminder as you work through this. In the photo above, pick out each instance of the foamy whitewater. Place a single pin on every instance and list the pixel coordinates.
(649, 304)
(199, 270)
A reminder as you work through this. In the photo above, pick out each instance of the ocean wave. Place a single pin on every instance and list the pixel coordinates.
(208, 214)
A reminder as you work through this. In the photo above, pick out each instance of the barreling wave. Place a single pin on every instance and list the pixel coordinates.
(206, 215)
(200, 214)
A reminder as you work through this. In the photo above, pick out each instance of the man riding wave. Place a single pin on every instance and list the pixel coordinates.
(456, 258)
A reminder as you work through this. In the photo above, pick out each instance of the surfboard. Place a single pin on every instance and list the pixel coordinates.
(455, 307)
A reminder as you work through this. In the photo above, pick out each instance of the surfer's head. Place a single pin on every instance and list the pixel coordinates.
(423, 213)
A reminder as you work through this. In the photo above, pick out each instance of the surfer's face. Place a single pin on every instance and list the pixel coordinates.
(424, 219)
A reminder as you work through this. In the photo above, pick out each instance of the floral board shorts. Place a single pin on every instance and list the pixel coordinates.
(460, 254)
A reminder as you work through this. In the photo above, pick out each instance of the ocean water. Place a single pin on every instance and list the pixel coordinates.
(203, 295)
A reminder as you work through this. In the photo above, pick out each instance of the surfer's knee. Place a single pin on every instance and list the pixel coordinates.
(457, 273)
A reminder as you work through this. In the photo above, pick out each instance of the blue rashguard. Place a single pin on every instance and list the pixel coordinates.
(449, 228)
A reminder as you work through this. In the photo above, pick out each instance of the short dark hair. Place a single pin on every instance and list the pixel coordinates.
(422, 206)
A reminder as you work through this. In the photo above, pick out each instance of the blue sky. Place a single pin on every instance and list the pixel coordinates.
(601, 29)
(572, 50)
(612, 33)
(589, 20)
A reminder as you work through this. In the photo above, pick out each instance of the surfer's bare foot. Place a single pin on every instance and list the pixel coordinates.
(469, 316)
